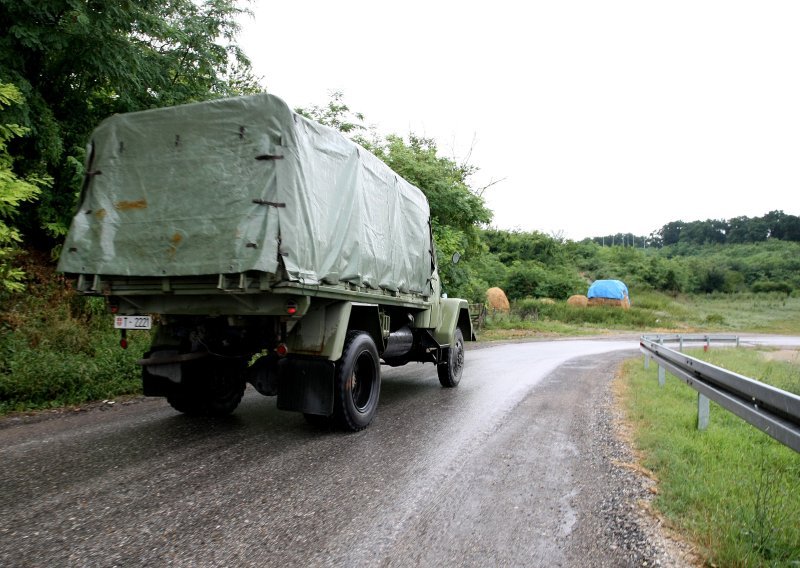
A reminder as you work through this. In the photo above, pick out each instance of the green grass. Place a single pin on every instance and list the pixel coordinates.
(57, 349)
(651, 311)
(769, 313)
(732, 489)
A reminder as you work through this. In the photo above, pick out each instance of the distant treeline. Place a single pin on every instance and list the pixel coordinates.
(739, 230)
(536, 265)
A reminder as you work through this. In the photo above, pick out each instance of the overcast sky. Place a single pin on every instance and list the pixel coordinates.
(598, 116)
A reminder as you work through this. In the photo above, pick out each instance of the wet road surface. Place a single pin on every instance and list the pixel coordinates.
(518, 466)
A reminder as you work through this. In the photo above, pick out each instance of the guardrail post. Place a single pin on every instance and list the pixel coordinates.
(703, 411)
(661, 376)
(647, 360)
(680, 343)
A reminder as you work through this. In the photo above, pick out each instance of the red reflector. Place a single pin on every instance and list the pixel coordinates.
(114, 309)
(123, 343)
(291, 310)
(281, 350)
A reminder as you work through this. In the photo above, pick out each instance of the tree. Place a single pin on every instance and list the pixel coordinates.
(783, 226)
(670, 233)
(79, 61)
(522, 245)
(336, 114)
(747, 230)
(704, 232)
(13, 192)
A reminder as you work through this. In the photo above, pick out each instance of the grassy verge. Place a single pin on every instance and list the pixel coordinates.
(58, 349)
(734, 491)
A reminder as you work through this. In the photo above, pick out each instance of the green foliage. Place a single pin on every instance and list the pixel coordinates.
(336, 114)
(731, 488)
(531, 313)
(14, 191)
(767, 286)
(77, 62)
(651, 311)
(535, 280)
(444, 182)
(739, 230)
(510, 246)
(59, 349)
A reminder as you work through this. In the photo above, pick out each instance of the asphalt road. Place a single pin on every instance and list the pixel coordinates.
(518, 466)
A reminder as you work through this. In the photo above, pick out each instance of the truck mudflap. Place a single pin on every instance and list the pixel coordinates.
(306, 385)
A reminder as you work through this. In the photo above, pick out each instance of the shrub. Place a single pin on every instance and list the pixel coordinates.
(767, 286)
(57, 348)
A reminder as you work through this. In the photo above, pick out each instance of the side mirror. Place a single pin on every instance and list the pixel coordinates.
(456, 257)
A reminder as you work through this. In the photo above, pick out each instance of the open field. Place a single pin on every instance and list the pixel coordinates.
(650, 312)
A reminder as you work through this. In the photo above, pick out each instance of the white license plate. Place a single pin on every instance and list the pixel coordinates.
(133, 322)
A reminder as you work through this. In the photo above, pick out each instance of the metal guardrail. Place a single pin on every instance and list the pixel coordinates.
(771, 410)
(683, 339)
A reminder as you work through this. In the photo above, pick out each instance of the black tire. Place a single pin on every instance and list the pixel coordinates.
(450, 370)
(208, 390)
(357, 385)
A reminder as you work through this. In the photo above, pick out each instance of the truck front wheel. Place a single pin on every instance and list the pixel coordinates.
(450, 370)
(358, 382)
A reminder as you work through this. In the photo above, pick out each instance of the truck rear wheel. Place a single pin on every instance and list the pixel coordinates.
(357, 383)
(450, 371)
(208, 390)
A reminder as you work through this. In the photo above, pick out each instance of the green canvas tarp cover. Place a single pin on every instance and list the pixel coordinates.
(232, 185)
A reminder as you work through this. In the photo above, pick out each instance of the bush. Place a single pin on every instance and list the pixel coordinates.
(542, 310)
(57, 348)
(534, 280)
(767, 286)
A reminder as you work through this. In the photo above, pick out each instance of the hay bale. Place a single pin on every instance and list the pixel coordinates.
(497, 300)
(578, 300)
(624, 304)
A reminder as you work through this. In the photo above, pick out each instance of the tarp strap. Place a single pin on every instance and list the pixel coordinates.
(270, 203)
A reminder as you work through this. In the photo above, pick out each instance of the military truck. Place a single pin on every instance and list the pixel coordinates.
(262, 248)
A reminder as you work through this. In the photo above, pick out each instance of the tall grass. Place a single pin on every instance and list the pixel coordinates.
(734, 490)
